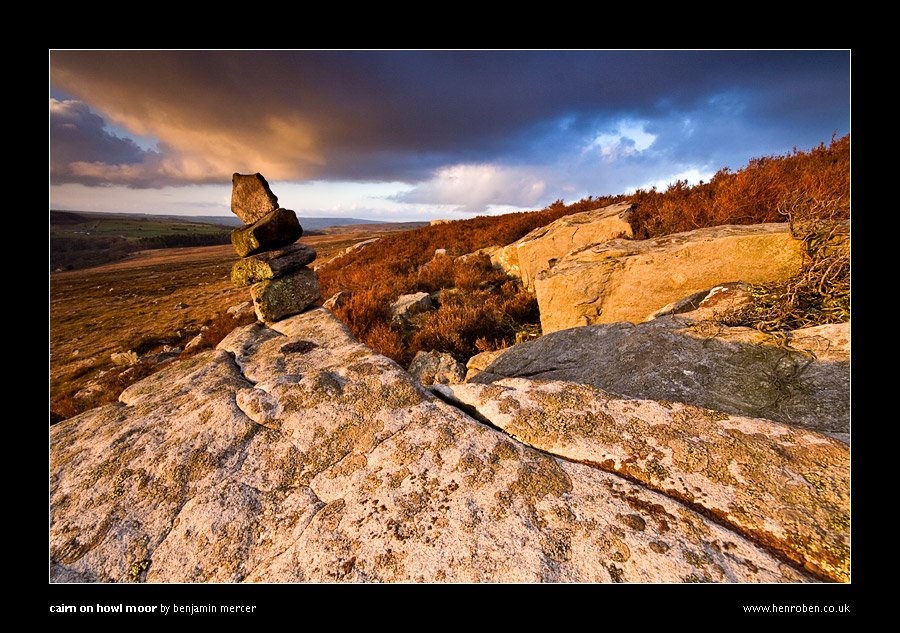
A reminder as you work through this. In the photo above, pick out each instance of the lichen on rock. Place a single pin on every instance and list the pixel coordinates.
(334, 465)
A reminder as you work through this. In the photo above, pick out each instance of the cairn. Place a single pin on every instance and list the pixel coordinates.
(272, 264)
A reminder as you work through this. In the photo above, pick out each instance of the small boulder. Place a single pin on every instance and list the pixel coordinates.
(251, 198)
(335, 301)
(277, 298)
(274, 230)
(708, 304)
(480, 362)
(194, 343)
(124, 358)
(238, 310)
(270, 264)
(436, 367)
(407, 305)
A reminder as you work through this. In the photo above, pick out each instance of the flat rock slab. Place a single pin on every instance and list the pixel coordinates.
(784, 487)
(292, 453)
(251, 198)
(801, 378)
(274, 230)
(270, 264)
(284, 296)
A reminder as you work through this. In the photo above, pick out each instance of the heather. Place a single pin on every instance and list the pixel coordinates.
(480, 308)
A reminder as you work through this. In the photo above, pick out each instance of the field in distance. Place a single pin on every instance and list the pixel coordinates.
(152, 298)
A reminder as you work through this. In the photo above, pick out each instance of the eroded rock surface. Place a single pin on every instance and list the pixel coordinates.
(781, 486)
(629, 280)
(251, 197)
(293, 453)
(801, 378)
(540, 249)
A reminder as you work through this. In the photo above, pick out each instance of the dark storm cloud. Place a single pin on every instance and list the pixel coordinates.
(80, 137)
(401, 115)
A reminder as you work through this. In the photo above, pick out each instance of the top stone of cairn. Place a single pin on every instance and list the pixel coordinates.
(251, 198)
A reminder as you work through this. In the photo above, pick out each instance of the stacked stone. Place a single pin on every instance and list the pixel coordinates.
(272, 264)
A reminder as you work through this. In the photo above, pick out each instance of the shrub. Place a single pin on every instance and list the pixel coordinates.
(387, 340)
(365, 308)
(473, 322)
(485, 314)
(818, 295)
(811, 190)
(763, 191)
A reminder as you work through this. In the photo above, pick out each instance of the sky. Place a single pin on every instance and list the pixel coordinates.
(403, 135)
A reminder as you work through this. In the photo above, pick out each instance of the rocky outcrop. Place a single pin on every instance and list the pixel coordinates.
(629, 280)
(292, 453)
(778, 485)
(801, 378)
(271, 263)
(540, 249)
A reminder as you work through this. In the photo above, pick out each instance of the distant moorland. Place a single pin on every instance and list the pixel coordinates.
(81, 239)
(146, 303)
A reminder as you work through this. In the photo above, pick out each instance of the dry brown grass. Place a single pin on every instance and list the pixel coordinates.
(142, 303)
(809, 189)
(131, 305)
(770, 189)
(818, 295)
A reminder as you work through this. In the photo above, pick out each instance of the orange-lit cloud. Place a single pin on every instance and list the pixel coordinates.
(206, 125)
(468, 128)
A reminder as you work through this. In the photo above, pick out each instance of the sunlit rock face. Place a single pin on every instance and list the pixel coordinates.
(292, 453)
(539, 250)
(800, 378)
(630, 280)
(251, 197)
